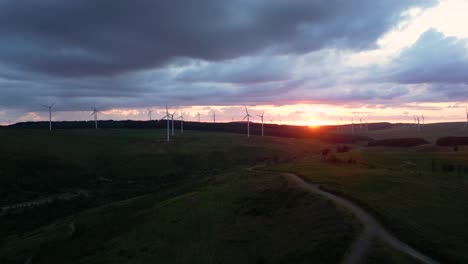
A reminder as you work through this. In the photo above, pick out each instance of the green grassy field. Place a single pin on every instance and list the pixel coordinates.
(193, 201)
(407, 190)
(188, 201)
(241, 217)
(118, 164)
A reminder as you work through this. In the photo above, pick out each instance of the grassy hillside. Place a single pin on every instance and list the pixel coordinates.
(134, 198)
(430, 132)
(239, 217)
(412, 192)
(188, 201)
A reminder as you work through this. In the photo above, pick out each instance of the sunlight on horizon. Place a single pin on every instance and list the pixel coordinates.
(312, 115)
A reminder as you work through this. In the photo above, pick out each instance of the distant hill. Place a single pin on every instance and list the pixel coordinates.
(326, 133)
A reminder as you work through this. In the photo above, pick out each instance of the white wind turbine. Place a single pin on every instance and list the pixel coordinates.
(248, 116)
(181, 118)
(149, 113)
(261, 116)
(198, 113)
(466, 124)
(94, 113)
(167, 116)
(50, 114)
(214, 116)
(172, 120)
(422, 119)
(352, 125)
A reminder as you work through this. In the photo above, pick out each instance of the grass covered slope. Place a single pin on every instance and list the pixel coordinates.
(112, 165)
(188, 201)
(240, 217)
(410, 192)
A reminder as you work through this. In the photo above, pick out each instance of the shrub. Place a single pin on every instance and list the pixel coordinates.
(342, 148)
(398, 142)
(452, 141)
(324, 152)
(332, 158)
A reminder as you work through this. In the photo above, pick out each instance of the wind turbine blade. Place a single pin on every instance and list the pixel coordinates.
(52, 105)
(244, 118)
(44, 105)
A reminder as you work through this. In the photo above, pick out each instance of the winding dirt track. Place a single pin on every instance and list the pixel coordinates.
(371, 227)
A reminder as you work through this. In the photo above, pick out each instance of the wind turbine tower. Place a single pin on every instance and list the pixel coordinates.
(50, 114)
(149, 113)
(167, 116)
(214, 116)
(172, 118)
(94, 113)
(247, 116)
(466, 124)
(261, 116)
(198, 117)
(422, 119)
(181, 118)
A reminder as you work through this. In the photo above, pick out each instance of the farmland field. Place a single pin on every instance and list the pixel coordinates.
(127, 196)
(420, 194)
(148, 199)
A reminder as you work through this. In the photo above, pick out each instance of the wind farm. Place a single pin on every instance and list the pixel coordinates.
(233, 132)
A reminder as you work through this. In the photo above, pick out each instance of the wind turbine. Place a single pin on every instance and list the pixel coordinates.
(149, 112)
(422, 118)
(167, 116)
(248, 116)
(466, 124)
(95, 112)
(198, 117)
(352, 125)
(181, 118)
(214, 116)
(360, 124)
(50, 114)
(172, 118)
(261, 116)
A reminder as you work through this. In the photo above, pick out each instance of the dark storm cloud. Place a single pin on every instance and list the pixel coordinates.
(244, 70)
(436, 59)
(108, 37)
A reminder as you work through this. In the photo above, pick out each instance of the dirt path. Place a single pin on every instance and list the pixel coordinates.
(371, 227)
(45, 200)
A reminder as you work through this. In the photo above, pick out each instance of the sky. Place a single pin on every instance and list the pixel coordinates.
(305, 62)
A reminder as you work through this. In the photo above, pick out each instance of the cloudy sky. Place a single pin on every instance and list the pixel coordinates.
(301, 61)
